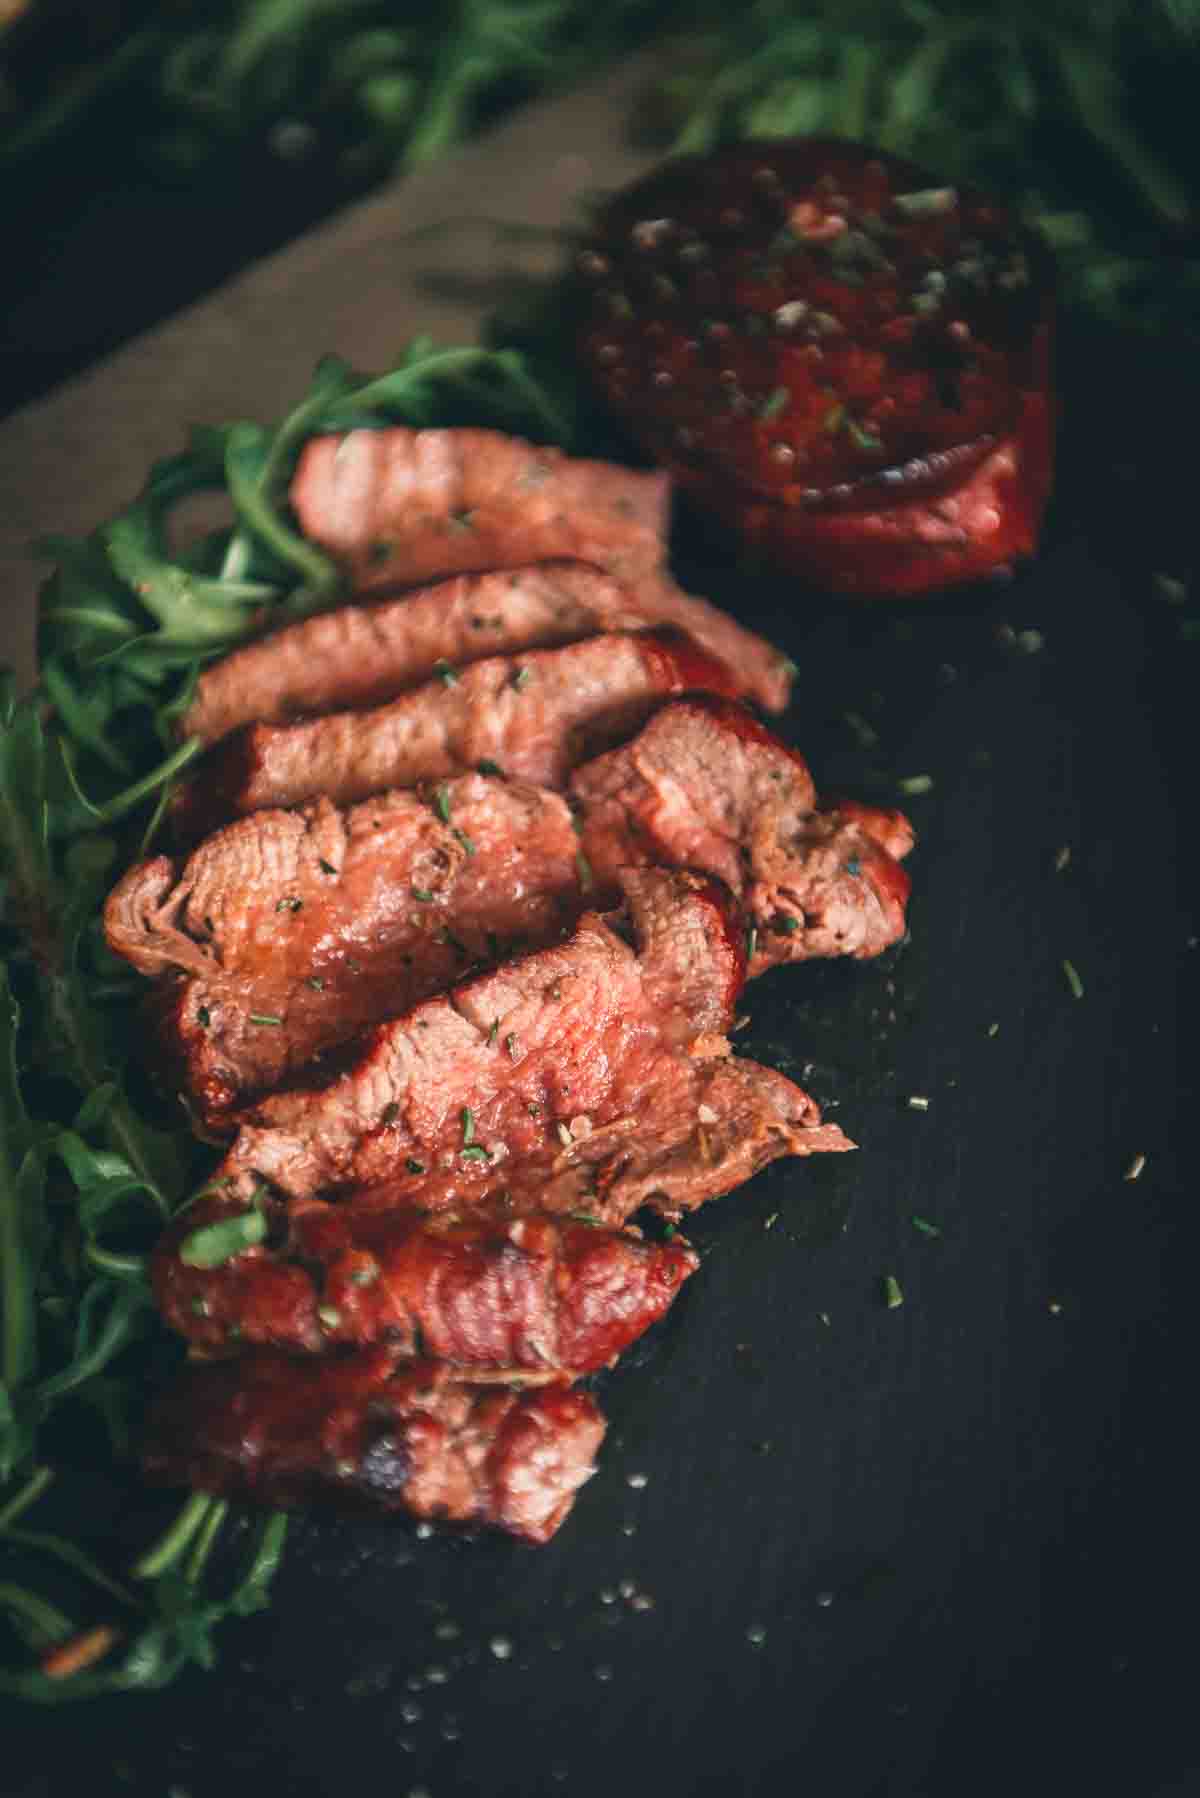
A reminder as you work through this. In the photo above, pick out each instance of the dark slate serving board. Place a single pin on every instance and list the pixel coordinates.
(943, 1549)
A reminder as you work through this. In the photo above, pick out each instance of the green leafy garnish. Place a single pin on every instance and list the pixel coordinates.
(92, 1164)
(214, 1244)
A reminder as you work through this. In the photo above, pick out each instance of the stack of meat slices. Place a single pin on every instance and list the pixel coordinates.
(488, 862)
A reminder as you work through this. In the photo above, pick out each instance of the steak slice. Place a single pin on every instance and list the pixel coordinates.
(534, 1292)
(398, 507)
(707, 1126)
(361, 655)
(296, 930)
(706, 786)
(489, 1070)
(374, 1430)
(590, 1068)
(535, 716)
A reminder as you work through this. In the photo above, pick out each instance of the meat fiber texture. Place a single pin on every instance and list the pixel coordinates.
(324, 922)
(595, 1068)
(376, 1430)
(397, 507)
(839, 357)
(295, 930)
(704, 785)
(534, 716)
(546, 1297)
(362, 655)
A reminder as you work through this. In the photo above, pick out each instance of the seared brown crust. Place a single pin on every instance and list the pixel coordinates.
(362, 655)
(704, 784)
(536, 716)
(371, 1430)
(839, 357)
(553, 1295)
(397, 507)
(323, 922)
(523, 1050)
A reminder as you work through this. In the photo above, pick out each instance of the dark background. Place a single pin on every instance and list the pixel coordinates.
(966, 1527)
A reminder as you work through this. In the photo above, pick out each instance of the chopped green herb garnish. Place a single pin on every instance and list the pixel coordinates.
(865, 731)
(1170, 588)
(854, 865)
(203, 1016)
(916, 783)
(475, 1152)
(522, 678)
(462, 837)
(777, 401)
(925, 1227)
(463, 520)
(214, 1244)
(893, 1296)
(585, 1217)
(494, 1032)
(366, 1274)
(751, 942)
(315, 982)
(292, 904)
(1071, 974)
(583, 868)
(265, 1018)
(414, 1166)
(441, 802)
(787, 923)
(445, 673)
(422, 895)
(326, 867)
(926, 202)
(489, 767)
(467, 1118)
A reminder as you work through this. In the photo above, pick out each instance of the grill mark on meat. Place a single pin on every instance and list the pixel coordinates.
(537, 716)
(362, 655)
(584, 1016)
(490, 1289)
(704, 784)
(371, 1431)
(330, 921)
(400, 506)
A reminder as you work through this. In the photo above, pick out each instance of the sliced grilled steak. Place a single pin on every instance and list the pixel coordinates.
(296, 930)
(695, 1128)
(503, 1067)
(398, 507)
(372, 1429)
(361, 655)
(705, 785)
(318, 923)
(480, 1290)
(535, 716)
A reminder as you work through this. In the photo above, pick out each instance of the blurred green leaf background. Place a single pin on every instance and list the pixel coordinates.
(1081, 113)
